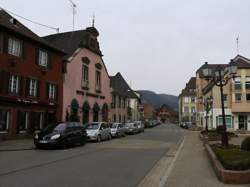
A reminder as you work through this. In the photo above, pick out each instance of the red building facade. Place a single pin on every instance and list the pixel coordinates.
(31, 79)
(167, 115)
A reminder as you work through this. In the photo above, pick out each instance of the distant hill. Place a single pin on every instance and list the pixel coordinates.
(159, 99)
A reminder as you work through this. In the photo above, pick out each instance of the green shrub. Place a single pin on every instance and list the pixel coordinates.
(232, 158)
(245, 145)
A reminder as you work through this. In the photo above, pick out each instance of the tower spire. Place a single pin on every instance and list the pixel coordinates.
(93, 20)
(237, 44)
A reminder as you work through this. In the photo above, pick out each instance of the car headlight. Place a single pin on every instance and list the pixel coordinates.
(55, 136)
(36, 136)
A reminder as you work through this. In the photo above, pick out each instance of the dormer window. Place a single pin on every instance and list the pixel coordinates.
(43, 58)
(14, 47)
(13, 21)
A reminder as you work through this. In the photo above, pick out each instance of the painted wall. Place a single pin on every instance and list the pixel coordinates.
(73, 79)
(135, 109)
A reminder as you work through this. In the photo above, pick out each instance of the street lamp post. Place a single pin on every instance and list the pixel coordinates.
(207, 103)
(220, 77)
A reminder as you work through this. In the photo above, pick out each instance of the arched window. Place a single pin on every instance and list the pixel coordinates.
(96, 110)
(85, 112)
(74, 110)
(105, 112)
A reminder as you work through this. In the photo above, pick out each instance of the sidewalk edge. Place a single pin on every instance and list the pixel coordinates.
(176, 154)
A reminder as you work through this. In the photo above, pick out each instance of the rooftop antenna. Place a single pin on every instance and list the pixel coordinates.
(237, 43)
(74, 13)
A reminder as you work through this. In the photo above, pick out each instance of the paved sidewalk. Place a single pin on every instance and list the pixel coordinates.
(192, 167)
(17, 145)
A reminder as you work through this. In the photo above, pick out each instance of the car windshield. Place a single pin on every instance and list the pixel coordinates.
(114, 125)
(54, 127)
(130, 124)
(60, 127)
(93, 126)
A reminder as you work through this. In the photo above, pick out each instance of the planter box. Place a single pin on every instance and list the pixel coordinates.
(227, 176)
(206, 139)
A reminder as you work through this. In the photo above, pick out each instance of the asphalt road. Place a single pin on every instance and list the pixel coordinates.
(118, 163)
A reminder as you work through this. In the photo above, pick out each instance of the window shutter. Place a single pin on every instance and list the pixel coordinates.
(24, 50)
(49, 60)
(6, 80)
(20, 82)
(47, 90)
(1, 42)
(1, 80)
(57, 92)
(38, 88)
(5, 43)
(27, 86)
(37, 56)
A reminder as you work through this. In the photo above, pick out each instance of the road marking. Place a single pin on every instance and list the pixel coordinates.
(166, 175)
(157, 176)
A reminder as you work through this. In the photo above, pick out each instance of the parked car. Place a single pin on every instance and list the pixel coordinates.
(148, 124)
(156, 123)
(186, 125)
(132, 128)
(98, 131)
(61, 134)
(140, 126)
(118, 130)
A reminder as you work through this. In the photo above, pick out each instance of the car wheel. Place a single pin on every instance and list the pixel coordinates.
(98, 138)
(64, 144)
(109, 137)
(82, 142)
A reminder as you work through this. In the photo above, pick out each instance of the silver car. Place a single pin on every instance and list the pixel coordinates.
(140, 126)
(131, 128)
(117, 130)
(98, 131)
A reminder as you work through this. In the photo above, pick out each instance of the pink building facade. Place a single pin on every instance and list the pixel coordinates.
(86, 88)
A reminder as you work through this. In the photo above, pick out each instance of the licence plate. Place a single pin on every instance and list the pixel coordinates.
(43, 141)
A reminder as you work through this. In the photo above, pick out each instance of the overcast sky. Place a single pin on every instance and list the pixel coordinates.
(155, 44)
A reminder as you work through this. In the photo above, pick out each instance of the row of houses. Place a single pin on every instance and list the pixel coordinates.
(59, 77)
(164, 113)
(200, 100)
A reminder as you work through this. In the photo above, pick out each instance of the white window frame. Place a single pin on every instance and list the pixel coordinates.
(236, 97)
(33, 87)
(26, 122)
(185, 108)
(98, 81)
(43, 58)
(186, 99)
(14, 47)
(85, 76)
(247, 82)
(14, 84)
(52, 91)
(7, 122)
